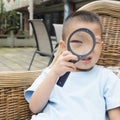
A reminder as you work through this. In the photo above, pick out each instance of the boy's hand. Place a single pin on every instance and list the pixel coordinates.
(62, 65)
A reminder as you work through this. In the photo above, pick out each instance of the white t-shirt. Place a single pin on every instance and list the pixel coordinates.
(84, 96)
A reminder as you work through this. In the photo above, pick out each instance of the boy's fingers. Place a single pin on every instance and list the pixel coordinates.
(66, 53)
(69, 66)
(67, 56)
(70, 57)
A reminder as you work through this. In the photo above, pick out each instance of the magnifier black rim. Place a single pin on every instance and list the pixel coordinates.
(84, 30)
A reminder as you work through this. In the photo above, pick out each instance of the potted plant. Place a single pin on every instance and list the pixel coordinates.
(9, 21)
(21, 34)
(3, 15)
(12, 22)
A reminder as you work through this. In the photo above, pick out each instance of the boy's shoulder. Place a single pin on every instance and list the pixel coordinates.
(109, 70)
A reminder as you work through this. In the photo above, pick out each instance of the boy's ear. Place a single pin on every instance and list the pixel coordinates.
(102, 44)
(62, 45)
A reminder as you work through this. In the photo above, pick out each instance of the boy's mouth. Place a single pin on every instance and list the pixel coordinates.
(87, 59)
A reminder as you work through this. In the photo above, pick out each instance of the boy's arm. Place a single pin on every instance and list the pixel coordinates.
(41, 95)
(114, 114)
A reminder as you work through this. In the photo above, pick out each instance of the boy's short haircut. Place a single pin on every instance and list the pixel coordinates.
(84, 16)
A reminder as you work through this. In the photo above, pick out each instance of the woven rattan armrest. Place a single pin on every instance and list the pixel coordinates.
(12, 102)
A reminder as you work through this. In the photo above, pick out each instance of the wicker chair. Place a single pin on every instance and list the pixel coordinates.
(12, 103)
(12, 84)
(109, 12)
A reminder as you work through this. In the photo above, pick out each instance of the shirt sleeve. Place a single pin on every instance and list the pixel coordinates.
(28, 92)
(112, 91)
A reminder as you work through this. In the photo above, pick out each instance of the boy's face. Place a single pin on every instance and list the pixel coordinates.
(92, 58)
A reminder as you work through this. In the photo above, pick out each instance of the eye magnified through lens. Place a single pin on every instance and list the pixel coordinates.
(80, 43)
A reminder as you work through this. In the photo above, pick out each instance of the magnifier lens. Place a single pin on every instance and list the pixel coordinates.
(81, 42)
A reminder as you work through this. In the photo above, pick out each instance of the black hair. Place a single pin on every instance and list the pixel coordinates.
(82, 15)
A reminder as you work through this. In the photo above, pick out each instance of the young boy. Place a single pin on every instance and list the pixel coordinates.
(90, 92)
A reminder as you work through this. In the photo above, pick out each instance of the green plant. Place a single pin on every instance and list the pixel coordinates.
(22, 34)
(12, 21)
(9, 20)
(3, 15)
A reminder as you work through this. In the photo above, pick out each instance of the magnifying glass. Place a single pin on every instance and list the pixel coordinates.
(81, 43)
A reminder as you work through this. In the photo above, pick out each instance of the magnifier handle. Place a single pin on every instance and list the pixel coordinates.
(63, 79)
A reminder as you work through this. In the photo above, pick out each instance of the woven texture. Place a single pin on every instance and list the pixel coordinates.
(12, 85)
(109, 12)
(12, 102)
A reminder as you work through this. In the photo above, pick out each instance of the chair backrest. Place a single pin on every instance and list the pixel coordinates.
(109, 12)
(12, 102)
(58, 31)
(42, 37)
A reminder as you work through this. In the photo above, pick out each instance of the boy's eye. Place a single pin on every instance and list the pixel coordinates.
(76, 45)
(76, 42)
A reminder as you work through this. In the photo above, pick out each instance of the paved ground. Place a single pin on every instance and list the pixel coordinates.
(18, 59)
